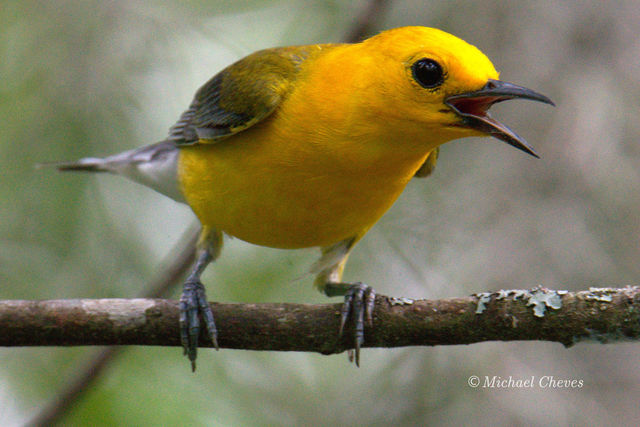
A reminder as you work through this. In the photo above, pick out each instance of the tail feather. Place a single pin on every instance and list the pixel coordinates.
(154, 166)
(82, 165)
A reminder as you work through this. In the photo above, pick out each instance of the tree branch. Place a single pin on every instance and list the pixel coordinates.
(602, 314)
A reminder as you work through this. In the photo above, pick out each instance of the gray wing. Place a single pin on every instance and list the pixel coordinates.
(240, 96)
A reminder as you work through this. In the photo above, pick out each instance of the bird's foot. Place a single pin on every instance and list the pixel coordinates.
(193, 302)
(359, 300)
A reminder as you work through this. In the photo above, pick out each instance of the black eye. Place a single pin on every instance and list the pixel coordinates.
(428, 73)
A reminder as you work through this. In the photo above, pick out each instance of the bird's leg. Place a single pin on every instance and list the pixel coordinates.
(193, 301)
(359, 298)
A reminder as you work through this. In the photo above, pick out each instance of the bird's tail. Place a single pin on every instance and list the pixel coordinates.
(154, 166)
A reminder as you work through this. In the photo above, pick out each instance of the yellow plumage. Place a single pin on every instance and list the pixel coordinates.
(339, 149)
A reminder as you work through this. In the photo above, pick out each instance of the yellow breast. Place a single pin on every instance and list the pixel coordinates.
(273, 191)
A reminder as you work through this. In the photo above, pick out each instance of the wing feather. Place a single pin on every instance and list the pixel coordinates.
(240, 96)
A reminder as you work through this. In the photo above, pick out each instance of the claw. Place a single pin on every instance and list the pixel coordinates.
(183, 325)
(207, 314)
(193, 302)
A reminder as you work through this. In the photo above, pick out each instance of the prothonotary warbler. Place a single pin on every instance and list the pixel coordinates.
(308, 146)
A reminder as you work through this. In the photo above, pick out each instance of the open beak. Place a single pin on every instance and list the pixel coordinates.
(473, 108)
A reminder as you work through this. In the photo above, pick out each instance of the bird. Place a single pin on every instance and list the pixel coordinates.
(308, 146)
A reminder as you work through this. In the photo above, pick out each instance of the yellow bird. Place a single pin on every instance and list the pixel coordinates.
(308, 146)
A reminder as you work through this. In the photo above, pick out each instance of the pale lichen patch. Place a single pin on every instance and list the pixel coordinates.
(400, 301)
(122, 312)
(600, 294)
(539, 298)
(483, 299)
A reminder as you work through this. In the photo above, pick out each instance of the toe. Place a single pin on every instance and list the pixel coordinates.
(207, 315)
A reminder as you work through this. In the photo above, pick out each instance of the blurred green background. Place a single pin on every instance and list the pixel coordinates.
(90, 78)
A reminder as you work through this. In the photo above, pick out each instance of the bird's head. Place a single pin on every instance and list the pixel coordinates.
(445, 86)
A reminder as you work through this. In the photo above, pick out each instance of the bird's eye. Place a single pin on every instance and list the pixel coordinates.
(428, 73)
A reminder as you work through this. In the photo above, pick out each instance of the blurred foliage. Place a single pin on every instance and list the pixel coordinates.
(91, 78)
